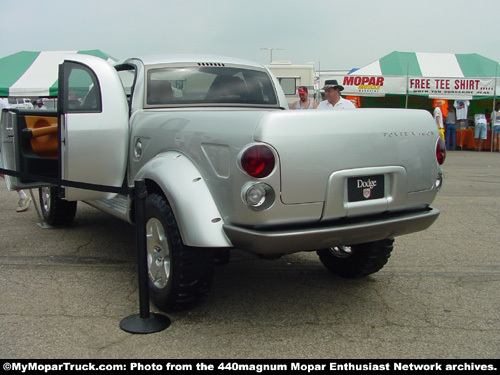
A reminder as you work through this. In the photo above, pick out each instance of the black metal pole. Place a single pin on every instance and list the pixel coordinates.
(144, 322)
(140, 222)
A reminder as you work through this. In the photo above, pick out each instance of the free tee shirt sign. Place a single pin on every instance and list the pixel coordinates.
(446, 87)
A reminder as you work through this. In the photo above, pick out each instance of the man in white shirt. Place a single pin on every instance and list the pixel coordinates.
(333, 98)
(438, 116)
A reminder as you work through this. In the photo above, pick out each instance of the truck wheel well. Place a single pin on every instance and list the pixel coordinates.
(152, 187)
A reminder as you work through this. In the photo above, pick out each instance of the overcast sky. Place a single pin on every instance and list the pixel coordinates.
(331, 33)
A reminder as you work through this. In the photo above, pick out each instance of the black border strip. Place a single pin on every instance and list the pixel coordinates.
(73, 184)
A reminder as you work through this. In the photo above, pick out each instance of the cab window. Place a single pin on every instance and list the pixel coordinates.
(208, 85)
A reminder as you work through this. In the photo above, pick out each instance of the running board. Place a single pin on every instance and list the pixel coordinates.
(119, 206)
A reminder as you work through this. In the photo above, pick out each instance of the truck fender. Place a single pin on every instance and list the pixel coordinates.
(199, 220)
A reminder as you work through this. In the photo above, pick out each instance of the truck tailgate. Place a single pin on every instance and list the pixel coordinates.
(314, 145)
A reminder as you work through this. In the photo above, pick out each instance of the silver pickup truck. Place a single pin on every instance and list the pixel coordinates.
(226, 165)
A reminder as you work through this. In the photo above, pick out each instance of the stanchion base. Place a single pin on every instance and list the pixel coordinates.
(136, 324)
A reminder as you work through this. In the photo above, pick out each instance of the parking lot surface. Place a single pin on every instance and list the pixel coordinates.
(63, 292)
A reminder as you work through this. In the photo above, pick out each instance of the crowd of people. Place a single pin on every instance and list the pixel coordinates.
(447, 121)
(332, 94)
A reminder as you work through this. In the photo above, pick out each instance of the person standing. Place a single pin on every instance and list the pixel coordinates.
(451, 133)
(38, 104)
(24, 201)
(333, 98)
(480, 127)
(495, 128)
(304, 102)
(438, 117)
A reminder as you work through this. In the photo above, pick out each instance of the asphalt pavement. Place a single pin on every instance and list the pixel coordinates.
(63, 292)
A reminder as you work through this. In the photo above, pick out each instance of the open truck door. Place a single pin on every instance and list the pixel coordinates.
(85, 140)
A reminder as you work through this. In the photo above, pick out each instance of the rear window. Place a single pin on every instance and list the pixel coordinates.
(201, 85)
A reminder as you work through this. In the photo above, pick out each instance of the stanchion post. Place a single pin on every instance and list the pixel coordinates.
(140, 217)
(144, 322)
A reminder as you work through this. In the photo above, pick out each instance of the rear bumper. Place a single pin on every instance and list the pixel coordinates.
(334, 233)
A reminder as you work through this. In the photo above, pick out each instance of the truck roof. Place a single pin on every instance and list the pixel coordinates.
(194, 58)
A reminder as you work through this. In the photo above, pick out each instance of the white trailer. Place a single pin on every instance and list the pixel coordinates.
(291, 77)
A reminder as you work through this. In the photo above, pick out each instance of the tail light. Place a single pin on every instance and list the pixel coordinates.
(440, 151)
(258, 161)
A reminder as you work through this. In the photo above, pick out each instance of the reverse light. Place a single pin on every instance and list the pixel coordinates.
(258, 161)
(258, 196)
(440, 151)
(439, 180)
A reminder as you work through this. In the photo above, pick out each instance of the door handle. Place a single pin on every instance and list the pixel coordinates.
(9, 132)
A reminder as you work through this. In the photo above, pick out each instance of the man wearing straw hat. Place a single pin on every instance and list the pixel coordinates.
(333, 98)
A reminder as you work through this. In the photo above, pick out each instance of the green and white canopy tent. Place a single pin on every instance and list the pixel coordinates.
(34, 73)
(432, 75)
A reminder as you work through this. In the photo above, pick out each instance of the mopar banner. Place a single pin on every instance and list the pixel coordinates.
(426, 86)
(373, 85)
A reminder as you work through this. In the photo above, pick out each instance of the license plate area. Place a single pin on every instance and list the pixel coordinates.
(365, 188)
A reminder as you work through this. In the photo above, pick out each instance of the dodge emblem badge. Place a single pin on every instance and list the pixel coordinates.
(367, 193)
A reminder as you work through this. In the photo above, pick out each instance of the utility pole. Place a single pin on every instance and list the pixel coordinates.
(271, 49)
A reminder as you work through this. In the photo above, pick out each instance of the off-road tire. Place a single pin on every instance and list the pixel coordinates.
(179, 276)
(358, 260)
(222, 256)
(56, 211)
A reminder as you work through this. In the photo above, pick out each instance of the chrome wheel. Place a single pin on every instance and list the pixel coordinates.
(357, 260)
(159, 260)
(179, 276)
(56, 211)
(45, 199)
(341, 251)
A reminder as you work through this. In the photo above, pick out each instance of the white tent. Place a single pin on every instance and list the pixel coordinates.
(35, 73)
(433, 75)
